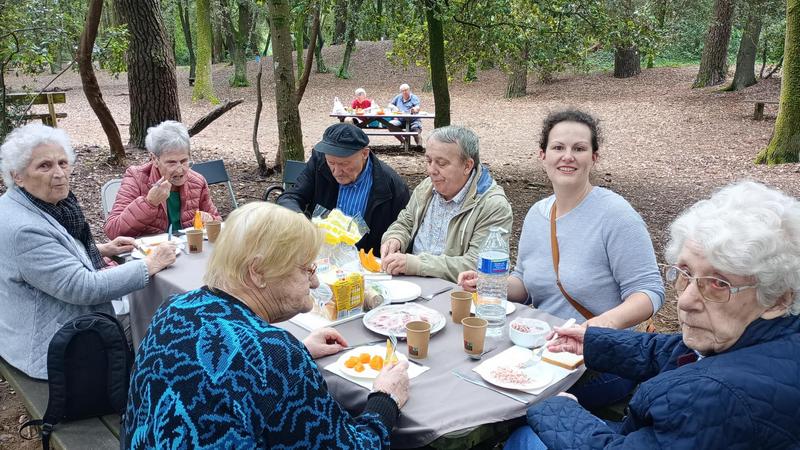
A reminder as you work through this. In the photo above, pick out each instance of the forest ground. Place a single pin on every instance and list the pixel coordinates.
(664, 145)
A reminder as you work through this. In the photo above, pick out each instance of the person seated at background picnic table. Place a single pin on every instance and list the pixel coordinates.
(730, 379)
(343, 173)
(408, 103)
(361, 102)
(52, 269)
(214, 372)
(441, 230)
(162, 192)
(607, 265)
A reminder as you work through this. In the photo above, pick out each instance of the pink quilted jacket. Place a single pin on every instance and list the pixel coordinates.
(133, 216)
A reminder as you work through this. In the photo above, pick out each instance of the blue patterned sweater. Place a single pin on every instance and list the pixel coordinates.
(212, 374)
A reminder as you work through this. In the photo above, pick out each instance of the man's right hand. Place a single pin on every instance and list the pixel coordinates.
(389, 247)
(161, 257)
(159, 193)
(468, 280)
(393, 380)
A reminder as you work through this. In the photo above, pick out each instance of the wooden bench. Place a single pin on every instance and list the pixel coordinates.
(97, 433)
(386, 132)
(758, 110)
(23, 99)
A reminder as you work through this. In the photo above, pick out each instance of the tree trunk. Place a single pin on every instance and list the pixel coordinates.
(713, 63)
(290, 135)
(299, 37)
(89, 82)
(152, 86)
(241, 35)
(183, 12)
(661, 19)
(301, 86)
(340, 24)
(518, 78)
(441, 92)
(784, 147)
(321, 68)
(355, 6)
(262, 164)
(746, 58)
(203, 84)
(627, 62)
(217, 41)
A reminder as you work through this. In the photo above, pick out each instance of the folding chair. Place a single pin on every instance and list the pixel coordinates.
(214, 172)
(108, 194)
(291, 171)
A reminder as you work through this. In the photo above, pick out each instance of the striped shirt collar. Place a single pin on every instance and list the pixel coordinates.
(353, 197)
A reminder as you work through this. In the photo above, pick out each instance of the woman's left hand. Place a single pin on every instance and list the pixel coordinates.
(206, 217)
(324, 342)
(121, 244)
(394, 264)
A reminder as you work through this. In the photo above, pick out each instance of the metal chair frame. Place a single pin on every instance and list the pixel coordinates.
(214, 172)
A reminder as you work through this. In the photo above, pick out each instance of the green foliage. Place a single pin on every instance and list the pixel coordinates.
(111, 55)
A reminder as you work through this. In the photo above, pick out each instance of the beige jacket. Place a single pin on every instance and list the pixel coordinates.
(486, 206)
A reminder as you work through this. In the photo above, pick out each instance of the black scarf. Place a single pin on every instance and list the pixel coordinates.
(69, 214)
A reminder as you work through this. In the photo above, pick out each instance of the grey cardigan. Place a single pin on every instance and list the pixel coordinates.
(47, 279)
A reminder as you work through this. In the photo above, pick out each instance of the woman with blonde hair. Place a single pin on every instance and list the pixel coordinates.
(215, 371)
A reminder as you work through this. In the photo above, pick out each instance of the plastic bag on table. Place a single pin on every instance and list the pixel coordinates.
(338, 108)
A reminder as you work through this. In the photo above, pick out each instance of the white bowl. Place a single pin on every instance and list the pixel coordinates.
(534, 337)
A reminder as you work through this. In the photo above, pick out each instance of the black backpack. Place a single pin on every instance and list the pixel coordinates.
(88, 368)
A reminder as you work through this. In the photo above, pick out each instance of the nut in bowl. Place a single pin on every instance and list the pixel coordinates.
(528, 333)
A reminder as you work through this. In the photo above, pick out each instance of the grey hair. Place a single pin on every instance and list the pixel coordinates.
(167, 136)
(747, 229)
(16, 152)
(360, 91)
(466, 139)
(405, 86)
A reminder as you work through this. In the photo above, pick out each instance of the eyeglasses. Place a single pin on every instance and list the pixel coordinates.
(310, 270)
(712, 289)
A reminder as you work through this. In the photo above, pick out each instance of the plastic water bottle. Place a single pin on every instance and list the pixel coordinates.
(492, 286)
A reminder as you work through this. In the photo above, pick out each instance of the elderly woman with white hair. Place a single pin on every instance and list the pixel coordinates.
(51, 269)
(730, 379)
(214, 371)
(163, 191)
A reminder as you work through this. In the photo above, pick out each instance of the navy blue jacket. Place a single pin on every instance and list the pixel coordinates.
(747, 397)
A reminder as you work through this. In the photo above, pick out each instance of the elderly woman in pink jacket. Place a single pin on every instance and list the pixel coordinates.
(163, 191)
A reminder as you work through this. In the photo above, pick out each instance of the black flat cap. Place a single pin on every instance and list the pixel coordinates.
(342, 140)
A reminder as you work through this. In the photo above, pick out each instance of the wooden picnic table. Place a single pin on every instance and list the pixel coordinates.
(404, 130)
(440, 405)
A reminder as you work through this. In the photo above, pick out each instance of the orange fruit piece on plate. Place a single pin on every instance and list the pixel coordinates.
(359, 367)
(364, 358)
(376, 362)
(351, 362)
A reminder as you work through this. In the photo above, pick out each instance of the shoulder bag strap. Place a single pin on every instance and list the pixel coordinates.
(554, 247)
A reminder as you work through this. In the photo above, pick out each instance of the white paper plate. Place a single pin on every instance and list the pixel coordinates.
(154, 241)
(392, 318)
(536, 378)
(400, 291)
(510, 308)
(368, 372)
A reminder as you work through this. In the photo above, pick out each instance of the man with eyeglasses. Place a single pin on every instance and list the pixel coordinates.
(164, 191)
(731, 378)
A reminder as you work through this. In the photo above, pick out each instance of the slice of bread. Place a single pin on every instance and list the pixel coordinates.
(566, 360)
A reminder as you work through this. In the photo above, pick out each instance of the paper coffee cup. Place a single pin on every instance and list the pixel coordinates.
(194, 239)
(418, 334)
(212, 229)
(474, 335)
(460, 302)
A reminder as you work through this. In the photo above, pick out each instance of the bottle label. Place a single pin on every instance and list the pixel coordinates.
(493, 265)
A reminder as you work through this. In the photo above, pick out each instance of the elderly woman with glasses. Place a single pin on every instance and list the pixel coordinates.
(730, 379)
(163, 192)
(214, 371)
(51, 268)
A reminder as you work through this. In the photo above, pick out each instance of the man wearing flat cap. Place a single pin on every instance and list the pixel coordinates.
(343, 173)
